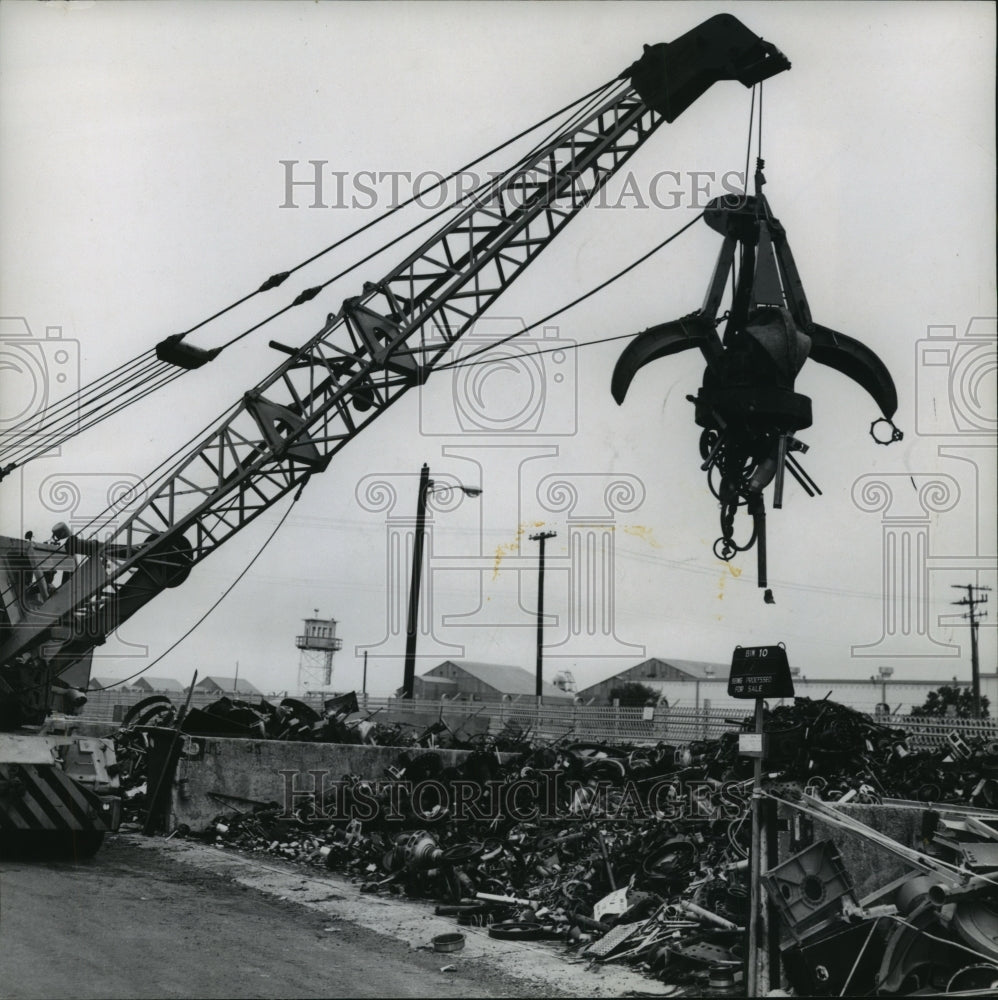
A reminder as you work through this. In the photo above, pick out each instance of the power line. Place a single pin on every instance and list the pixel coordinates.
(228, 590)
(143, 374)
(971, 601)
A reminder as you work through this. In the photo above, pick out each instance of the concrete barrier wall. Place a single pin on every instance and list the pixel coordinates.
(216, 775)
(416, 722)
(869, 865)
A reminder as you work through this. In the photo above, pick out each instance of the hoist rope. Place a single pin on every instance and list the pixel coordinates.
(466, 360)
(759, 142)
(225, 593)
(28, 425)
(137, 378)
(473, 198)
(748, 144)
(396, 208)
(38, 423)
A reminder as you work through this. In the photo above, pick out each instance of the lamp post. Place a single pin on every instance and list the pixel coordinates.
(541, 537)
(426, 487)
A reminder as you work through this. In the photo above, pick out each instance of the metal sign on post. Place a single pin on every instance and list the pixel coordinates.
(751, 745)
(760, 672)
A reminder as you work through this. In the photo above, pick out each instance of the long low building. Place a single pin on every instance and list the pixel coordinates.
(663, 676)
(699, 684)
(465, 680)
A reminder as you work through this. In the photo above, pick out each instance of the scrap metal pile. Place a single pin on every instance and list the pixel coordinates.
(932, 930)
(626, 854)
(640, 854)
(339, 721)
(839, 754)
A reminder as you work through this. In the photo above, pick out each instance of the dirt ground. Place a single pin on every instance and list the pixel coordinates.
(154, 918)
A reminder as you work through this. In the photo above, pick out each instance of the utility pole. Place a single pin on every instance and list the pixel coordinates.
(426, 487)
(541, 537)
(971, 601)
(412, 623)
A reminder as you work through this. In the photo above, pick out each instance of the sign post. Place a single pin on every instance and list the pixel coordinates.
(758, 672)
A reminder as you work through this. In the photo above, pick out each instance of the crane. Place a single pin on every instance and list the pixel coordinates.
(376, 347)
(59, 600)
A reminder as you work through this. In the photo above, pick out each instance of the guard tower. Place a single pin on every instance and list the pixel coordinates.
(317, 645)
(565, 681)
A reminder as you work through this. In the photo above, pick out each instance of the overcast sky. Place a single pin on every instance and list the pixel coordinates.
(142, 188)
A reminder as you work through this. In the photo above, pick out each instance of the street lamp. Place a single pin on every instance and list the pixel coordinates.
(426, 487)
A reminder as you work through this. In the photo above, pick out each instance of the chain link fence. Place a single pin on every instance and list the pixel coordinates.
(577, 723)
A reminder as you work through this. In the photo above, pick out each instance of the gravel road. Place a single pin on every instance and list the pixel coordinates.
(154, 918)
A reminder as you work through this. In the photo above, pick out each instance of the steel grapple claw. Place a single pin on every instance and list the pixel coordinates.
(747, 404)
(660, 341)
(856, 361)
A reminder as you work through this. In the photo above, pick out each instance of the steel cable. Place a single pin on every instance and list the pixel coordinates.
(79, 408)
(130, 389)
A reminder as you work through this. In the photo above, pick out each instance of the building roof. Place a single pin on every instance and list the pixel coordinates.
(227, 684)
(159, 684)
(102, 683)
(699, 668)
(694, 670)
(509, 679)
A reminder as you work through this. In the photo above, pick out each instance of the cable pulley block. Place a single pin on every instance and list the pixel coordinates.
(174, 351)
(670, 76)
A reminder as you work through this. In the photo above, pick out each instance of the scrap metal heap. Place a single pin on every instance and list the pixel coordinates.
(339, 721)
(640, 854)
(931, 929)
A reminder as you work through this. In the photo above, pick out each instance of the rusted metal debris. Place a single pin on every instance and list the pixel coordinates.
(339, 721)
(640, 855)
